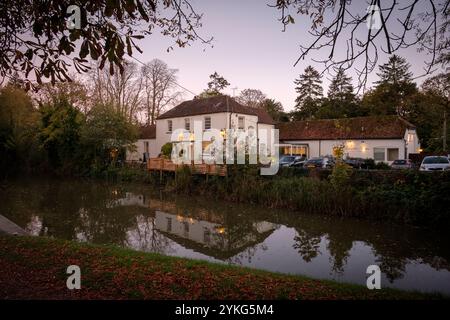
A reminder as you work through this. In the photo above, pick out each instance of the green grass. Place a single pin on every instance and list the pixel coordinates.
(34, 268)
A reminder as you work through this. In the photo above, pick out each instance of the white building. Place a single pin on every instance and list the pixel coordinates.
(218, 112)
(214, 238)
(383, 138)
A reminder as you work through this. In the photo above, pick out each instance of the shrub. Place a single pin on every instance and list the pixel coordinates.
(166, 150)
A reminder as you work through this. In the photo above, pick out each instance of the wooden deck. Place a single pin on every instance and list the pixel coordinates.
(161, 164)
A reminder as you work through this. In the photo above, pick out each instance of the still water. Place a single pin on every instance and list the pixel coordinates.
(318, 246)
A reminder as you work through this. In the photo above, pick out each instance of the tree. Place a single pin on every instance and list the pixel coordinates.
(60, 133)
(275, 110)
(395, 71)
(341, 88)
(437, 89)
(159, 88)
(106, 134)
(310, 92)
(341, 101)
(75, 92)
(383, 27)
(18, 126)
(36, 40)
(393, 89)
(215, 86)
(121, 91)
(251, 98)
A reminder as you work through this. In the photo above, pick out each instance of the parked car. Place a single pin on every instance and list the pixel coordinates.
(356, 163)
(435, 163)
(402, 164)
(288, 161)
(299, 162)
(320, 162)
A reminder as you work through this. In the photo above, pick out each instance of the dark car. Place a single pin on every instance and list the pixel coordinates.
(299, 162)
(356, 163)
(320, 162)
(286, 161)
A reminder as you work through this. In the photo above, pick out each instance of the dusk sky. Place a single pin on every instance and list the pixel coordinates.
(249, 50)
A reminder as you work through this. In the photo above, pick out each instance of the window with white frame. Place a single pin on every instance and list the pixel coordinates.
(169, 125)
(207, 123)
(187, 124)
(241, 123)
(379, 154)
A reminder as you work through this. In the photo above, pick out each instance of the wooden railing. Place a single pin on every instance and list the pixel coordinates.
(161, 164)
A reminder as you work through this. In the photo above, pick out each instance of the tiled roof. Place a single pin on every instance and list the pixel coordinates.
(214, 104)
(376, 127)
(147, 132)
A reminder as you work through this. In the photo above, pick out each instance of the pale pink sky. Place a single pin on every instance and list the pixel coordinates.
(250, 50)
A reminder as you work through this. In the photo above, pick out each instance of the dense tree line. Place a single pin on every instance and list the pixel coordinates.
(56, 134)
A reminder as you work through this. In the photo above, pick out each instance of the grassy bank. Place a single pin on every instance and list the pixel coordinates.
(35, 268)
(406, 197)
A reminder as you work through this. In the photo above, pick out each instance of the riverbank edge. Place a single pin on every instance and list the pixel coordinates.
(35, 268)
(394, 196)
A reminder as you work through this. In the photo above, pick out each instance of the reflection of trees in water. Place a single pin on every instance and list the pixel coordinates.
(82, 210)
(393, 268)
(247, 254)
(339, 250)
(73, 210)
(307, 244)
(145, 237)
(393, 246)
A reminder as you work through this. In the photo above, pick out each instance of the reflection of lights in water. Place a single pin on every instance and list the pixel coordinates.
(115, 192)
(180, 218)
(191, 221)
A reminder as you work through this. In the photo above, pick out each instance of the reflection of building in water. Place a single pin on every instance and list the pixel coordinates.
(130, 199)
(212, 238)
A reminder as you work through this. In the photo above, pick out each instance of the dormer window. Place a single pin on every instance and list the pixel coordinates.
(187, 124)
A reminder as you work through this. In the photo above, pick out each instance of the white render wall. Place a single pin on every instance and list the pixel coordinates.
(138, 154)
(362, 148)
(218, 121)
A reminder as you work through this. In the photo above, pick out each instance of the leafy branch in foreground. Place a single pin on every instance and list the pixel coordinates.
(35, 40)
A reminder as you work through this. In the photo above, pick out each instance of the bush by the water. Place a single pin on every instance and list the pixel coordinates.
(398, 196)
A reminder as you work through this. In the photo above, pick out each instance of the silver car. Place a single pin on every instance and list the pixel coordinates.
(435, 163)
(402, 164)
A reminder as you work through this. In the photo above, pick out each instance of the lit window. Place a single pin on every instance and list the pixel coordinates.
(379, 154)
(187, 124)
(169, 125)
(241, 123)
(207, 123)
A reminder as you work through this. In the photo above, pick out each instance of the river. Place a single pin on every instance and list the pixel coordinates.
(319, 246)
